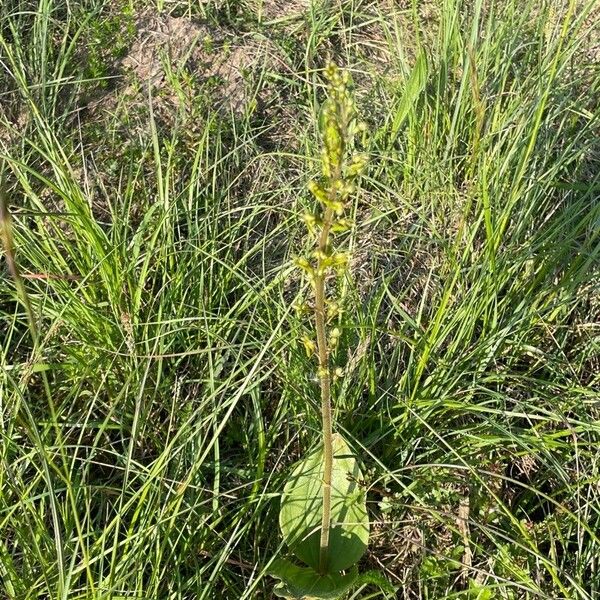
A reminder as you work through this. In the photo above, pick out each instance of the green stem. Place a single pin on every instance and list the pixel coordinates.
(325, 381)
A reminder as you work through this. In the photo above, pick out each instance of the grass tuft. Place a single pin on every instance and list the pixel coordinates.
(146, 433)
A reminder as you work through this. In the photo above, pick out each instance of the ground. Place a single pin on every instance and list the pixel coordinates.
(154, 388)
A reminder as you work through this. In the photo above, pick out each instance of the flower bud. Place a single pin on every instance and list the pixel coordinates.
(301, 308)
(322, 372)
(340, 260)
(318, 192)
(336, 206)
(357, 164)
(333, 138)
(341, 225)
(304, 264)
(309, 346)
(331, 70)
(333, 310)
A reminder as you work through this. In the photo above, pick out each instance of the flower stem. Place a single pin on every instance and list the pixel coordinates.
(338, 126)
(325, 381)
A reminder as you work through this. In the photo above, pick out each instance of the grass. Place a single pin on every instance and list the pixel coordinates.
(155, 237)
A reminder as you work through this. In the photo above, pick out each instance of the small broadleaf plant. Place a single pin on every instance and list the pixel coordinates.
(323, 516)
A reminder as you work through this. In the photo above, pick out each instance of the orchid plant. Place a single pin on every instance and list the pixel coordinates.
(323, 516)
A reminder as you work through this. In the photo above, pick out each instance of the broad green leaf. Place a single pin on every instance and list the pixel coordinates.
(304, 582)
(302, 507)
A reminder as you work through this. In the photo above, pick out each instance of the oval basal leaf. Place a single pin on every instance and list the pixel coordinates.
(302, 505)
(303, 582)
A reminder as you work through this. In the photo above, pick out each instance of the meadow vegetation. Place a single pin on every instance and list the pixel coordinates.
(155, 389)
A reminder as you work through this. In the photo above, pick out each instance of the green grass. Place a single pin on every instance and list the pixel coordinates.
(156, 240)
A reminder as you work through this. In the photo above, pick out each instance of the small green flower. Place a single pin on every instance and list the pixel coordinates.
(309, 346)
